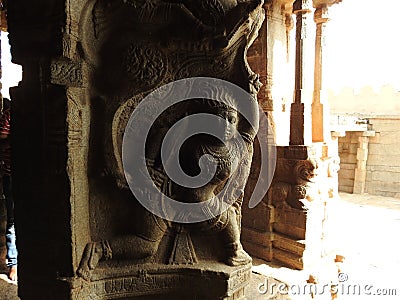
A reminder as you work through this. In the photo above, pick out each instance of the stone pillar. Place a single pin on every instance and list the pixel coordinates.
(292, 224)
(360, 173)
(319, 116)
(87, 65)
(319, 107)
(269, 56)
(300, 123)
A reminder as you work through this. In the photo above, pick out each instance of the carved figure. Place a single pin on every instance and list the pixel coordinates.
(297, 190)
(232, 158)
(162, 41)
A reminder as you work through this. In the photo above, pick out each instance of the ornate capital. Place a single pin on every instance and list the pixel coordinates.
(321, 15)
(302, 6)
(321, 3)
(286, 6)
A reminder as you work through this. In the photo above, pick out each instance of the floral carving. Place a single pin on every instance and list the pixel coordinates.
(144, 64)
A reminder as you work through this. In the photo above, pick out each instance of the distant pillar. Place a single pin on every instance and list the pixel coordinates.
(299, 134)
(319, 115)
(362, 157)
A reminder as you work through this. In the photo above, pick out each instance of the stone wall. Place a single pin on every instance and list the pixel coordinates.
(348, 160)
(365, 99)
(381, 148)
(383, 164)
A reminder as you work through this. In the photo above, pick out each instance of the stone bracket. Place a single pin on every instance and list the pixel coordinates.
(67, 72)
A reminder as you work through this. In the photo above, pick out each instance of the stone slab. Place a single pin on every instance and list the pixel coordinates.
(206, 281)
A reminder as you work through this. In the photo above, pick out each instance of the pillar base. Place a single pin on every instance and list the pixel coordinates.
(293, 226)
(152, 281)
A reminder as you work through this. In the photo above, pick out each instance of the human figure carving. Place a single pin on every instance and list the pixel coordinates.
(232, 161)
(186, 25)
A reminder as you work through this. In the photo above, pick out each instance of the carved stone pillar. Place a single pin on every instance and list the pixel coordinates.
(292, 224)
(320, 109)
(318, 116)
(87, 65)
(269, 56)
(299, 114)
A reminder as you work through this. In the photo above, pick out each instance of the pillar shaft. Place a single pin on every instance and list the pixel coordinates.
(298, 130)
(318, 110)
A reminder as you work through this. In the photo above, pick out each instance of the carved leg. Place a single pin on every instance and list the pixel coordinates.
(93, 253)
(124, 247)
(235, 253)
(134, 247)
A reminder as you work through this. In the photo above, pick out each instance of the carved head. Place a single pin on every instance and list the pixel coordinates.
(304, 171)
(228, 117)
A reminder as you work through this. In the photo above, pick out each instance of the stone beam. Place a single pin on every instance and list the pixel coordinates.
(320, 3)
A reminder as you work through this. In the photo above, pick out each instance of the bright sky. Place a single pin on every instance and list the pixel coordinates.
(363, 47)
(11, 73)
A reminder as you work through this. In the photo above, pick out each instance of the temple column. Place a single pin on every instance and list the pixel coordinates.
(269, 57)
(299, 120)
(317, 108)
(295, 215)
(81, 231)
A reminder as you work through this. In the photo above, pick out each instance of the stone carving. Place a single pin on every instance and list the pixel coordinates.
(293, 188)
(157, 281)
(65, 72)
(181, 39)
(133, 47)
(153, 228)
(304, 171)
(143, 64)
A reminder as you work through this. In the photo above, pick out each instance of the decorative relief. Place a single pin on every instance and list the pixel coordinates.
(74, 121)
(304, 171)
(209, 11)
(165, 281)
(144, 64)
(239, 279)
(285, 195)
(293, 186)
(119, 123)
(134, 47)
(67, 72)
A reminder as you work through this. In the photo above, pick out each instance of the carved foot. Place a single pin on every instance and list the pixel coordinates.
(92, 254)
(238, 257)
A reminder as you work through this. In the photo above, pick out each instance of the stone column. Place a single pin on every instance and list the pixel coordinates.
(295, 213)
(317, 108)
(362, 157)
(299, 113)
(269, 57)
(87, 65)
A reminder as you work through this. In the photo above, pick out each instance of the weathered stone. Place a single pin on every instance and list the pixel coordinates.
(94, 62)
(299, 206)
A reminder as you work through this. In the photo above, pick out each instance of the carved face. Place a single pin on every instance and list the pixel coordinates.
(228, 122)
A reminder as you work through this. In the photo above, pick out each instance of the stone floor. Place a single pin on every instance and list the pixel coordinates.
(367, 235)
